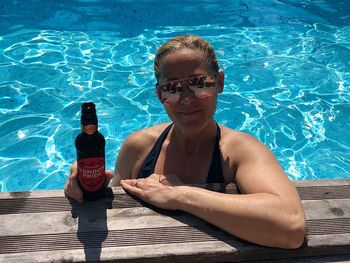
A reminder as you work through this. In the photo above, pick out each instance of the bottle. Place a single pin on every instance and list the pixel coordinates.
(90, 147)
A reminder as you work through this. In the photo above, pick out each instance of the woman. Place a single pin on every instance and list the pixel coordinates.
(157, 164)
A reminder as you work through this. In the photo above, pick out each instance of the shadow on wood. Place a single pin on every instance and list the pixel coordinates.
(92, 224)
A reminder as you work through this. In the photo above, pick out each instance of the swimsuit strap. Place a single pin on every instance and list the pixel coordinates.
(150, 162)
(215, 174)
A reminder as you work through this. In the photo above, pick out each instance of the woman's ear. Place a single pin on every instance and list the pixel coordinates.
(220, 81)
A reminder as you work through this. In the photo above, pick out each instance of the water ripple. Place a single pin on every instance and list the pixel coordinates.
(287, 80)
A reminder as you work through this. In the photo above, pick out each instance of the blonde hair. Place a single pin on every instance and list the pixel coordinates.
(190, 42)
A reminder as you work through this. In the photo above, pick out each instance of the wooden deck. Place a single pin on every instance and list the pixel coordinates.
(43, 226)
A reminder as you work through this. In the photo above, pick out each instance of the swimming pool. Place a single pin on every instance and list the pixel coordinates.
(287, 66)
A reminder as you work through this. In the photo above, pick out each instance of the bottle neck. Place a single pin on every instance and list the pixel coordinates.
(89, 128)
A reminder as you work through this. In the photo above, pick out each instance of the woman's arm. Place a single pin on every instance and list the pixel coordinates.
(261, 218)
(128, 156)
(268, 212)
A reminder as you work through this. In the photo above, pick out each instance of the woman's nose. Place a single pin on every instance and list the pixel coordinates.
(187, 95)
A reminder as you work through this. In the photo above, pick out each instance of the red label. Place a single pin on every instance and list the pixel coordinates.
(91, 173)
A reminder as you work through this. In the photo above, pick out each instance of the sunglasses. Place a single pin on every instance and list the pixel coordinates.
(203, 87)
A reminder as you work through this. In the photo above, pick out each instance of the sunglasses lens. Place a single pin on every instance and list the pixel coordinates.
(170, 97)
(170, 92)
(202, 87)
(203, 92)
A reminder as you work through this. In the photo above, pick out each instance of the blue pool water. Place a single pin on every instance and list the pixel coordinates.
(287, 66)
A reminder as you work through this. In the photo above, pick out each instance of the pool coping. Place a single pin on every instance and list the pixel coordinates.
(40, 226)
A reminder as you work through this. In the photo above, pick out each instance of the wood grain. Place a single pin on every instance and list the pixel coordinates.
(44, 226)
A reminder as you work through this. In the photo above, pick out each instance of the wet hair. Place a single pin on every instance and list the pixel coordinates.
(191, 42)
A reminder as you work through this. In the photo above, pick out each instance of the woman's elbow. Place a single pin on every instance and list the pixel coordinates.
(295, 232)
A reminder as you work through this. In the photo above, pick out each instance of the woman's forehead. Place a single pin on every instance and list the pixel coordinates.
(182, 64)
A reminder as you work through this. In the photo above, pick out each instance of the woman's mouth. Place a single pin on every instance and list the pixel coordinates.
(189, 113)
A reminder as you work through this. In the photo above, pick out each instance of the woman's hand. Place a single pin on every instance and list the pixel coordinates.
(156, 190)
(72, 188)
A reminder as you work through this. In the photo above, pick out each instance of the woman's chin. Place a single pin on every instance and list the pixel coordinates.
(190, 126)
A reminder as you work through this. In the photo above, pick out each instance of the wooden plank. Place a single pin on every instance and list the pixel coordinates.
(61, 203)
(34, 224)
(328, 241)
(62, 222)
(43, 193)
(322, 209)
(309, 183)
(328, 227)
(55, 201)
(313, 192)
(31, 194)
(208, 251)
(151, 253)
(112, 238)
(324, 192)
(118, 190)
(138, 217)
(310, 259)
(336, 231)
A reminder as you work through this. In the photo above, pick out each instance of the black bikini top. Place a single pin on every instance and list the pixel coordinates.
(215, 174)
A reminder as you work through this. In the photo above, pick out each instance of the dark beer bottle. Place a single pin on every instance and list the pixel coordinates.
(90, 146)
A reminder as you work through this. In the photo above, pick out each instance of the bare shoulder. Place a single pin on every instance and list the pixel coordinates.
(143, 139)
(254, 162)
(239, 145)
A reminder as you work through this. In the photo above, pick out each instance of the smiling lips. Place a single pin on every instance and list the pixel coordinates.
(189, 112)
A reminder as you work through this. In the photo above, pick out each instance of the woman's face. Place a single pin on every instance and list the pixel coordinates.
(189, 113)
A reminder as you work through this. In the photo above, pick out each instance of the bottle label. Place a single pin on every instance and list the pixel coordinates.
(91, 173)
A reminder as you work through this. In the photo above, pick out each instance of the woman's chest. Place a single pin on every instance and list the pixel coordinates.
(188, 169)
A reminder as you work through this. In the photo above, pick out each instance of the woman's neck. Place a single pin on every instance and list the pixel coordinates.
(190, 142)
